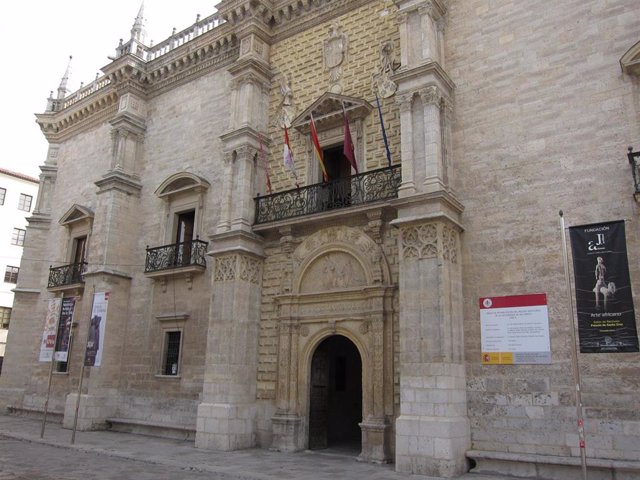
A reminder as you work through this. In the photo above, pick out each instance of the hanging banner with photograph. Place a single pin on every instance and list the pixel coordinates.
(63, 339)
(514, 330)
(95, 339)
(49, 332)
(604, 304)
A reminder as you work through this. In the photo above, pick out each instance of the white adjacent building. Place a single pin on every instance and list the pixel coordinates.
(17, 197)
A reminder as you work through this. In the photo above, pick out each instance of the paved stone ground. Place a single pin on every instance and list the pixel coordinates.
(108, 455)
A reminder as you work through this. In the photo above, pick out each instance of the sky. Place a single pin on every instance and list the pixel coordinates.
(39, 37)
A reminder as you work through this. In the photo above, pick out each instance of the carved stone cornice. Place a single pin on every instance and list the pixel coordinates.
(211, 51)
(87, 113)
(291, 17)
(117, 180)
(430, 70)
(436, 9)
(240, 11)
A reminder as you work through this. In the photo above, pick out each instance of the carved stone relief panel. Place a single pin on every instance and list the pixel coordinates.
(345, 239)
(419, 241)
(225, 269)
(243, 267)
(429, 240)
(332, 271)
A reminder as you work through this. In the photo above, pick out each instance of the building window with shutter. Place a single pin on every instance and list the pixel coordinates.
(17, 237)
(24, 203)
(11, 274)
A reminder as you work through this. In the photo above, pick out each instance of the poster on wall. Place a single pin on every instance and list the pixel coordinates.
(95, 339)
(604, 304)
(49, 331)
(63, 339)
(514, 330)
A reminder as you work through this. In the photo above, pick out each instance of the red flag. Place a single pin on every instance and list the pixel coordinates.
(348, 150)
(317, 150)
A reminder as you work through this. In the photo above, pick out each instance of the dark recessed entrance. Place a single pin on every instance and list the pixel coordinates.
(336, 396)
(338, 191)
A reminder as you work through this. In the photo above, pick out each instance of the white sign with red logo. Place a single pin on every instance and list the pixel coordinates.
(515, 330)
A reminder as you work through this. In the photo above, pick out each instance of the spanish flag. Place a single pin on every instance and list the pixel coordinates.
(317, 150)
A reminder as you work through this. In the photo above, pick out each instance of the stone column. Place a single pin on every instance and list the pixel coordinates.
(433, 162)
(226, 417)
(408, 185)
(432, 431)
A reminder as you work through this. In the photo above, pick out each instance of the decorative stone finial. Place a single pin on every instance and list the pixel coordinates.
(62, 89)
(138, 31)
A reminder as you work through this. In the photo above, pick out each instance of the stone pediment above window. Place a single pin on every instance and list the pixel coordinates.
(630, 61)
(183, 182)
(76, 215)
(327, 112)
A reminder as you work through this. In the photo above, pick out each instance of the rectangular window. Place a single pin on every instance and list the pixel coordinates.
(25, 202)
(11, 274)
(171, 363)
(3, 193)
(5, 317)
(17, 237)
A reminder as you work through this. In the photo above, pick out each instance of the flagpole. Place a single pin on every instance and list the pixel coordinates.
(75, 416)
(384, 132)
(53, 353)
(574, 353)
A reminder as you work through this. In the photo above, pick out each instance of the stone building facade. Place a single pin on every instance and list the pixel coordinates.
(335, 313)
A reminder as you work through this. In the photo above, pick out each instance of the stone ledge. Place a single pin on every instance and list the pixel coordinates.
(544, 466)
(52, 416)
(152, 429)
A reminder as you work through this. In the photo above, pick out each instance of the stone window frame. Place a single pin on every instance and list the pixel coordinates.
(170, 322)
(166, 331)
(78, 221)
(182, 192)
(328, 115)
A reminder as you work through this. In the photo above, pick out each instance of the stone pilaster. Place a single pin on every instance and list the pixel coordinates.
(420, 33)
(127, 134)
(424, 95)
(432, 431)
(226, 417)
(288, 432)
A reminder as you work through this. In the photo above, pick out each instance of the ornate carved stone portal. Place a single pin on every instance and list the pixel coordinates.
(341, 287)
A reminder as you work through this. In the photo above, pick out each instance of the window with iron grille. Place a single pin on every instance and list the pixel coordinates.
(5, 317)
(17, 237)
(11, 274)
(24, 203)
(171, 362)
(3, 193)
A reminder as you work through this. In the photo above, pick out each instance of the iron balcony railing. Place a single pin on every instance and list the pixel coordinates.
(66, 275)
(176, 255)
(359, 189)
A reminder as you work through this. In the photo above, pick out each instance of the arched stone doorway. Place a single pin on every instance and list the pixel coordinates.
(338, 290)
(335, 396)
